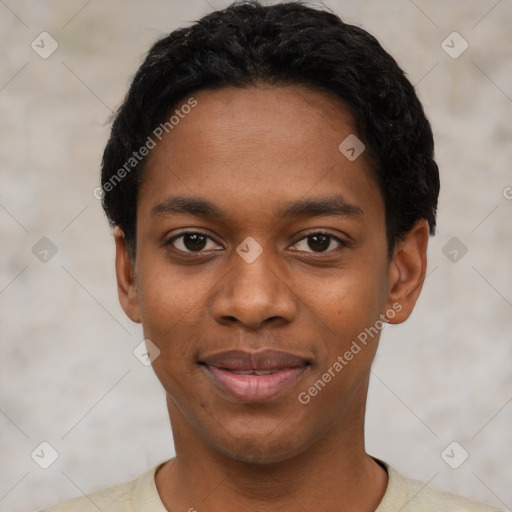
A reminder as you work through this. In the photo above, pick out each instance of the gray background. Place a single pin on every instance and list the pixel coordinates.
(68, 374)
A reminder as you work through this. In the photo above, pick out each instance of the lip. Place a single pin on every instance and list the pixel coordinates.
(286, 369)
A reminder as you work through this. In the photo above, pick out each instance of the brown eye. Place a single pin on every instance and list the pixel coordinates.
(190, 242)
(320, 242)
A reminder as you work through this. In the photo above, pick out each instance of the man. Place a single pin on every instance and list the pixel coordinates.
(271, 184)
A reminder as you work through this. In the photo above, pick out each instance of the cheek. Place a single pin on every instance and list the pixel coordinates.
(165, 294)
(167, 303)
(347, 311)
(347, 299)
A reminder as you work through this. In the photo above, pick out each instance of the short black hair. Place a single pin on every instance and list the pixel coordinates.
(289, 43)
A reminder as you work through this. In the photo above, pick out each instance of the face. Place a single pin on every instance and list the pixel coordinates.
(261, 259)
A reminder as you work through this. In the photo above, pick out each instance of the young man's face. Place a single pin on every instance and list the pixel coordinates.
(254, 281)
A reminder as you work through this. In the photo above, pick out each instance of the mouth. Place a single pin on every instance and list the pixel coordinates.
(254, 376)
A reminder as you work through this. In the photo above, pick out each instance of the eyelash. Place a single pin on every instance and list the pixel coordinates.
(342, 243)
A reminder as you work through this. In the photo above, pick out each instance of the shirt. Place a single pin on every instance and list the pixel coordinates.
(402, 495)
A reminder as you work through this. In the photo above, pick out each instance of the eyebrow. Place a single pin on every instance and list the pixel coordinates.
(329, 206)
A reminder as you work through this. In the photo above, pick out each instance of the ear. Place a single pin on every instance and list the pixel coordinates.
(126, 286)
(407, 272)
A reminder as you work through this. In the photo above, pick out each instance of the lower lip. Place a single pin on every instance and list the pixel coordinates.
(255, 388)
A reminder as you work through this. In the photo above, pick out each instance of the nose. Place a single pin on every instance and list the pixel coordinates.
(255, 293)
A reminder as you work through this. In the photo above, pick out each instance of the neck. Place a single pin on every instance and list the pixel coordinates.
(335, 474)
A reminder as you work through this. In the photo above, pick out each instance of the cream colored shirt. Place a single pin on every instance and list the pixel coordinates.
(141, 495)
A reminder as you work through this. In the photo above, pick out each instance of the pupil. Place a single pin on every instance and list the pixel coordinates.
(194, 241)
(322, 238)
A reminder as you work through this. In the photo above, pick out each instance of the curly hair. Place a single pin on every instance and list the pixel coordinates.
(289, 43)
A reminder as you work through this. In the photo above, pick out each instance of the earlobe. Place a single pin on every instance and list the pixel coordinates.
(407, 271)
(126, 285)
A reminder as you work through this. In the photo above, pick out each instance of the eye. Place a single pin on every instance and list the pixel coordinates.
(320, 242)
(197, 242)
(191, 241)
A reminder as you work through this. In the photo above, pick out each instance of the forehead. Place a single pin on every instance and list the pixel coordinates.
(257, 147)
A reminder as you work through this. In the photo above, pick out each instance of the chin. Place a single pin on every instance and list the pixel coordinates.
(258, 448)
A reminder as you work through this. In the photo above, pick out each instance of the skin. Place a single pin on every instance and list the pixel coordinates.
(250, 151)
